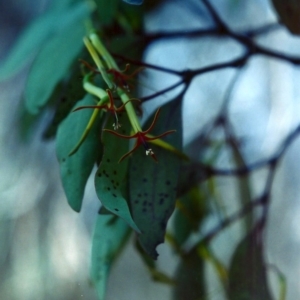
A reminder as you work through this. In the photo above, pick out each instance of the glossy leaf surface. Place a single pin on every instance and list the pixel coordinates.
(110, 235)
(111, 177)
(76, 169)
(153, 185)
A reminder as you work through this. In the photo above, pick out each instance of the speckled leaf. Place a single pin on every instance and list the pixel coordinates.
(247, 274)
(37, 33)
(190, 277)
(53, 62)
(66, 95)
(153, 185)
(76, 169)
(110, 235)
(111, 177)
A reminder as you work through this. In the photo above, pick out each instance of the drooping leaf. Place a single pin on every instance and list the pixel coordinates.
(37, 33)
(153, 185)
(191, 174)
(65, 95)
(111, 177)
(190, 277)
(155, 274)
(53, 62)
(190, 211)
(110, 235)
(76, 169)
(247, 273)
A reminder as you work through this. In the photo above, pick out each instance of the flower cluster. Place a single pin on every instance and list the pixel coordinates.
(117, 82)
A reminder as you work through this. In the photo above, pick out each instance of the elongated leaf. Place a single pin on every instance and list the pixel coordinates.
(189, 214)
(155, 274)
(247, 274)
(190, 277)
(37, 33)
(191, 175)
(65, 95)
(53, 62)
(153, 185)
(111, 177)
(110, 235)
(76, 169)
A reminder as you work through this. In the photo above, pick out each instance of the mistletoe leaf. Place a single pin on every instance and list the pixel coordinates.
(39, 31)
(66, 95)
(190, 212)
(190, 277)
(53, 62)
(247, 273)
(76, 169)
(153, 185)
(111, 177)
(110, 235)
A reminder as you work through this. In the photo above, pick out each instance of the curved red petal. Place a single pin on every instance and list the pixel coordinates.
(120, 135)
(153, 122)
(159, 136)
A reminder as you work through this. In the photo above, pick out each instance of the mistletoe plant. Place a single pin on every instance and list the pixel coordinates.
(96, 125)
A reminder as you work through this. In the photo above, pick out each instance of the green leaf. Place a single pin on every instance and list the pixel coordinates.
(190, 277)
(76, 169)
(53, 62)
(37, 33)
(190, 211)
(155, 274)
(247, 273)
(191, 174)
(110, 236)
(153, 185)
(65, 95)
(111, 177)
(107, 11)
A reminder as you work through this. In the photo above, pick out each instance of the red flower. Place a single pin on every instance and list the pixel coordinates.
(121, 78)
(109, 107)
(142, 138)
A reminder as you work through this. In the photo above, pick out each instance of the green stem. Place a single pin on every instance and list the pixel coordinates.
(98, 62)
(135, 123)
(111, 64)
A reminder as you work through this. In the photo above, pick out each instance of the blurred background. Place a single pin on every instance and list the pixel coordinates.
(45, 246)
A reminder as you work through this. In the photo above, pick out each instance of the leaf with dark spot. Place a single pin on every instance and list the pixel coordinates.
(247, 273)
(53, 61)
(76, 169)
(110, 235)
(65, 96)
(156, 179)
(111, 176)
